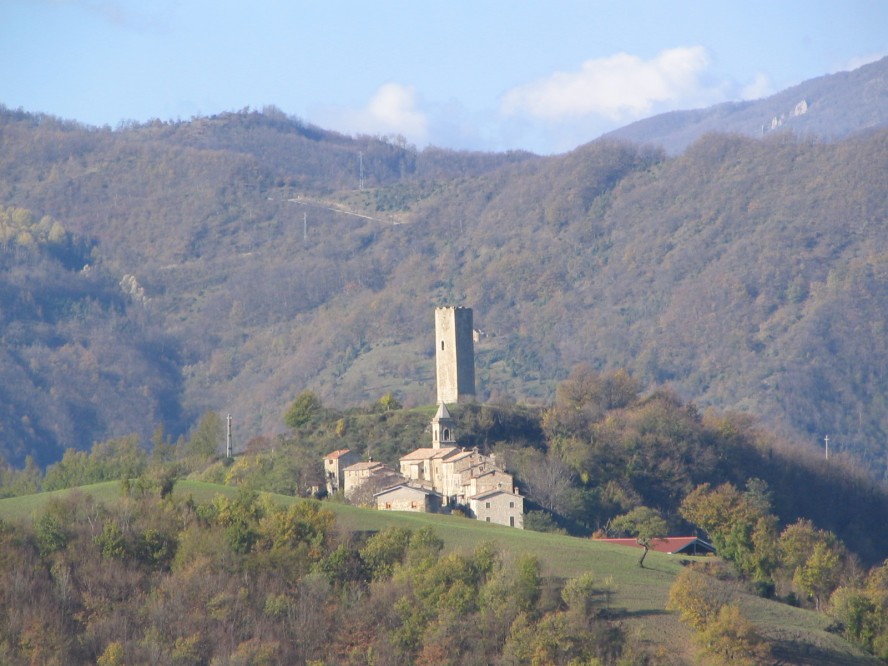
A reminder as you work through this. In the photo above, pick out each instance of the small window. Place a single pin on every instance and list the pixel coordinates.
(487, 519)
(487, 505)
(442, 345)
(511, 505)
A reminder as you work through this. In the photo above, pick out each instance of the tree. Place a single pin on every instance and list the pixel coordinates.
(696, 597)
(387, 403)
(737, 524)
(207, 437)
(814, 558)
(303, 409)
(645, 524)
(819, 575)
(730, 638)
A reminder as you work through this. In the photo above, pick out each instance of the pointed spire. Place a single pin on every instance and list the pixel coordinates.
(442, 428)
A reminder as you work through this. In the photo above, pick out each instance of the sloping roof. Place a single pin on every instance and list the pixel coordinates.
(442, 412)
(459, 456)
(491, 493)
(424, 491)
(670, 545)
(337, 454)
(431, 454)
(370, 464)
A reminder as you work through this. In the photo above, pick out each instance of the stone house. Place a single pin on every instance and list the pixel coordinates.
(334, 468)
(494, 479)
(361, 472)
(404, 497)
(503, 507)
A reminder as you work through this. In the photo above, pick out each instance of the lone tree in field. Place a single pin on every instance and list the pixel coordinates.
(643, 523)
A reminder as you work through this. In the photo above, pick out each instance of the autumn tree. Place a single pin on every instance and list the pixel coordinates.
(740, 529)
(813, 558)
(643, 523)
(207, 438)
(303, 409)
(724, 635)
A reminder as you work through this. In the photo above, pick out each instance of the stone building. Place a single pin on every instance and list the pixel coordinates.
(443, 476)
(334, 468)
(503, 507)
(358, 474)
(454, 355)
(404, 497)
(459, 475)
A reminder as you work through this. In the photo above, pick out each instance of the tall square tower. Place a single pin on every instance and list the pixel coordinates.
(454, 354)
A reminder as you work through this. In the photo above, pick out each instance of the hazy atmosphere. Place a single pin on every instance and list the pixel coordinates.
(483, 76)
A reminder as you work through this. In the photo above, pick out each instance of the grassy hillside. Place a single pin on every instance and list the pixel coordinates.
(638, 595)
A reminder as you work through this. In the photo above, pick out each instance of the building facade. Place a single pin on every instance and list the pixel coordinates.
(502, 507)
(403, 497)
(454, 355)
(334, 468)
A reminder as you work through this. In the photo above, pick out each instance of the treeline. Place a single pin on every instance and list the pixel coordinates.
(604, 457)
(245, 581)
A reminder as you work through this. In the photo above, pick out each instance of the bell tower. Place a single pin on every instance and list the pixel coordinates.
(454, 355)
(442, 428)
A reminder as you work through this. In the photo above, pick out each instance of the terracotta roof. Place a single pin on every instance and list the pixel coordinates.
(669, 545)
(337, 454)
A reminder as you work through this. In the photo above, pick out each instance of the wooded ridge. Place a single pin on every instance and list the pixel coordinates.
(183, 274)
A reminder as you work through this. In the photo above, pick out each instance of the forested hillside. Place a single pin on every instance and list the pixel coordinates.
(234, 261)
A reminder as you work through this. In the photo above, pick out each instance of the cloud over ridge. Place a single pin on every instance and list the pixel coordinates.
(618, 87)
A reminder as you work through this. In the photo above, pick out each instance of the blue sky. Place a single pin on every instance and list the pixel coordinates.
(466, 74)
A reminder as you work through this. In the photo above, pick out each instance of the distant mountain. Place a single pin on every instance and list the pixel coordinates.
(829, 107)
(230, 262)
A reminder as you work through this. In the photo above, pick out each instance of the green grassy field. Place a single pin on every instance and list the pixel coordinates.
(639, 595)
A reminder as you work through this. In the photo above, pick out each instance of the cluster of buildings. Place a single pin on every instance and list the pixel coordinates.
(443, 477)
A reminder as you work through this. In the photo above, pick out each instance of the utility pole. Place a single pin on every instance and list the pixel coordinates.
(228, 439)
(304, 226)
(361, 160)
(826, 443)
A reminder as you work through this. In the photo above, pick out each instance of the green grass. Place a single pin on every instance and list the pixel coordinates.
(639, 595)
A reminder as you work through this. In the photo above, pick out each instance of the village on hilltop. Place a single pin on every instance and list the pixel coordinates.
(443, 477)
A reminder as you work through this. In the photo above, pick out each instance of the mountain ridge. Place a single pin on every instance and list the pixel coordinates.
(746, 273)
(828, 107)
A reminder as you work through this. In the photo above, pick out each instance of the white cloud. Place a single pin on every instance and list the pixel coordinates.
(760, 87)
(620, 87)
(393, 109)
(860, 61)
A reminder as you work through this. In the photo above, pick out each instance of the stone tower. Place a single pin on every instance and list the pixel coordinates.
(454, 354)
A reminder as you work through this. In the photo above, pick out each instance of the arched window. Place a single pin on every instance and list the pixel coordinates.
(446, 434)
